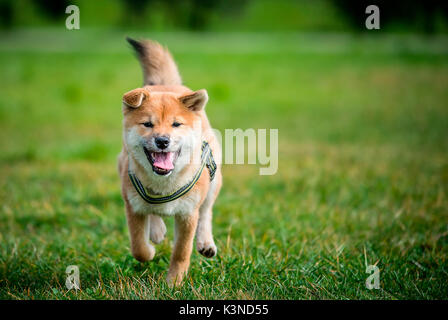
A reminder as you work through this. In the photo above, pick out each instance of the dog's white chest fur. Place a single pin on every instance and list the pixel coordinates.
(182, 206)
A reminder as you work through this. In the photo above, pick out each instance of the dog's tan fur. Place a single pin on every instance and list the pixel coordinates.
(163, 100)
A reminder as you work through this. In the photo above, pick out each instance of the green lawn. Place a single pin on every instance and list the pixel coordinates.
(362, 179)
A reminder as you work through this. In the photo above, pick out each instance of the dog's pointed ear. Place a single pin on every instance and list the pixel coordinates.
(135, 98)
(195, 101)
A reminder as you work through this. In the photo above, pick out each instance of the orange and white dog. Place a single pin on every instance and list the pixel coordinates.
(166, 164)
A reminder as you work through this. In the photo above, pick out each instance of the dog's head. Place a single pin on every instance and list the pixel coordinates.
(162, 129)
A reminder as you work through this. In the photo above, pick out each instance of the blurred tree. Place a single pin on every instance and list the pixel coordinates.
(6, 14)
(52, 9)
(200, 11)
(134, 10)
(189, 14)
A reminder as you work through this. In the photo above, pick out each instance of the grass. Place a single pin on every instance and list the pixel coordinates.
(362, 179)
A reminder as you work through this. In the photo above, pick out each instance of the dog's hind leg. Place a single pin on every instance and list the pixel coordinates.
(157, 229)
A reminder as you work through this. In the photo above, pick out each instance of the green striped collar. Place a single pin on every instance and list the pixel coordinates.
(206, 160)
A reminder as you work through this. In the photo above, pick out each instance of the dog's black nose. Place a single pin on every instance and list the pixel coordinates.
(162, 142)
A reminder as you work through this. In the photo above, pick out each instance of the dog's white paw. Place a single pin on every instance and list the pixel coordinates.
(157, 229)
(207, 249)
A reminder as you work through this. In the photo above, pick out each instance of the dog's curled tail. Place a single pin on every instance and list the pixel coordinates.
(157, 63)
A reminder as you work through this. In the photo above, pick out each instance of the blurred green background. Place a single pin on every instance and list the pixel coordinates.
(363, 125)
(231, 15)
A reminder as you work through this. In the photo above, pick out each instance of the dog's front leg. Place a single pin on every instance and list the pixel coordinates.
(185, 228)
(138, 224)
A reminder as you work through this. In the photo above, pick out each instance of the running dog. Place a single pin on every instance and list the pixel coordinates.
(170, 162)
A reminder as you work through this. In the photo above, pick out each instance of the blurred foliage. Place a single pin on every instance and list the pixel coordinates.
(53, 9)
(232, 15)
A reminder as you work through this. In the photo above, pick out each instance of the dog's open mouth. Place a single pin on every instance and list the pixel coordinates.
(162, 162)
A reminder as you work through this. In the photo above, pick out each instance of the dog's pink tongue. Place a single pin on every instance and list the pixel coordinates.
(164, 160)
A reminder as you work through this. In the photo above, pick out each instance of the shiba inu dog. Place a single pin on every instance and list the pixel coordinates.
(170, 162)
